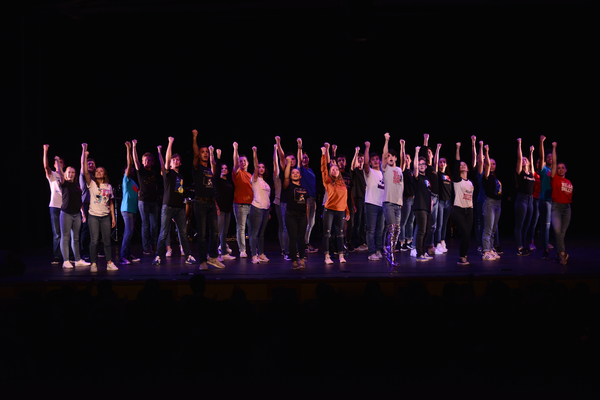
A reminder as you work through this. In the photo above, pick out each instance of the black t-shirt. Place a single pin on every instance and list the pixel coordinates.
(71, 197)
(359, 185)
(525, 183)
(225, 191)
(492, 187)
(148, 185)
(203, 181)
(446, 186)
(296, 197)
(432, 177)
(348, 182)
(173, 194)
(407, 176)
(422, 188)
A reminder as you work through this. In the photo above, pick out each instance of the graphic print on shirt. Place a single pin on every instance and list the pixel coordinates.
(207, 179)
(300, 195)
(381, 185)
(103, 197)
(397, 177)
(566, 187)
(178, 184)
(498, 186)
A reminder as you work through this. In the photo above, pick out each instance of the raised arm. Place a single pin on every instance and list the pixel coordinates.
(47, 168)
(542, 155)
(519, 157)
(136, 160)
(554, 163)
(486, 161)
(84, 164)
(129, 169)
(355, 163)
(532, 168)
(169, 153)
(275, 161)
(480, 158)
(456, 169)
(436, 159)
(286, 175)
(384, 153)
(236, 159)
(327, 153)
(473, 151)
(402, 155)
(196, 149)
(366, 166)
(280, 152)
(255, 158)
(213, 162)
(161, 160)
(416, 163)
(299, 155)
(61, 173)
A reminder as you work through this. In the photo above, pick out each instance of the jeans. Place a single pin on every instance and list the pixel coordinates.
(561, 218)
(407, 219)
(358, 228)
(463, 219)
(85, 238)
(392, 213)
(422, 226)
(535, 215)
(258, 224)
(296, 223)
(223, 221)
(129, 219)
(150, 217)
(491, 214)
(55, 223)
(100, 226)
(206, 220)
(282, 233)
(375, 232)
(523, 212)
(70, 224)
(241, 211)
(444, 208)
(545, 217)
(333, 218)
(176, 214)
(435, 202)
(311, 209)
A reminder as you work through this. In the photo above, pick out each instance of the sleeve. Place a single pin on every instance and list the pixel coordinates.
(324, 172)
(456, 171)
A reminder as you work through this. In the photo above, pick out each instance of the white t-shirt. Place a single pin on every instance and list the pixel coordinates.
(463, 193)
(262, 194)
(100, 198)
(55, 192)
(375, 192)
(394, 185)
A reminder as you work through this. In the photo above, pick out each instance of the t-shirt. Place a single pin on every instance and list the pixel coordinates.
(492, 187)
(242, 181)
(262, 194)
(224, 189)
(562, 190)
(130, 195)
(56, 198)
(173, 195)
(359, 185)
(525, 183)
(536, 186)
(375, 187)
(100, 198)
(409, 191)
(203, 181)
(348, 182)
(546, 188)
(148, 185)
(446, 186)
(422, 188)
(70, 197)
(432, 176)
(308, 181)
(463, 189)
(394, 185)
(296, 195)
(337, 193)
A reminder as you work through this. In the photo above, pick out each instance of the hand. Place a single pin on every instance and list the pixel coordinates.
(481, 143)
(553, 144)
(218, 153)
(386, 136)
(57, 159)
(277, 139)
(367, 144)
(439, 145)
(114, 223)
(327, 145)
(356, 149)
(84, 146)
(254, 149)
(334, 147)
(323, 150)
(487, 147)
(235, 145)
(288, 160)
(426, 136)
(299, 141)
(134, 142)
(347, 217)
(457, 144)
(46, 146)
(417, 148)
(159, 147)
(473, 139)
(542, 138)
(519, 140)
(402, 142)
(195, 132)
(531, 149)
(211, 149)
(171, 139)
(128, 145)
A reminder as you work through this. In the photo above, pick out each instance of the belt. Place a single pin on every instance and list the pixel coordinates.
(205, 199)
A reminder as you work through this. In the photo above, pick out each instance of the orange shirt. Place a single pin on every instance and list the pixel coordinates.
(337, 194)
(243, 187)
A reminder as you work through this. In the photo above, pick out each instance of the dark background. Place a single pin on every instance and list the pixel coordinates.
(343, 72)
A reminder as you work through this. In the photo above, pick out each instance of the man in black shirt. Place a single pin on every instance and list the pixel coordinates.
(147, 198)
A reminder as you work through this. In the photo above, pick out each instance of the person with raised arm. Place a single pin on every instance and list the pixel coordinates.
(101, 212)
(224, 189)
(336, 206)
(277, 185)
(535, 215)
(242, 198)
(129, 207)
(374, 195)
(283, 200)
(259, 210)
(308, 181)
(432, 177)
(562, 196)
(70, 215)
(462, 211)
(393, 179)
(147, 199)
(359, 187)
(421, 206)
(446, 199)
(524, 200)
(407, 217)
(85, 237)
(295, 215)
(173, 208)
(492, 206)
(55, 202)
(547, 162)
(205, 205)
(347, 177)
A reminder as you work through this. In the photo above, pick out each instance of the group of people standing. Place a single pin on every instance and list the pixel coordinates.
(382, 205)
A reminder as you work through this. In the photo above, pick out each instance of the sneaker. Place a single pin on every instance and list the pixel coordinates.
(545, 255)
(439, 249)
(550, 247)
(428, 256)
(462, 261)
(100, 255)
(328, 259)
(295, 265)
(410, 245)
(422, 258)
(373, 257)
(495, 254)
(93, 267)
(134, 259)
(413, 253)
(342, 259)
(148, 252)
(443, 243)
(302, 264)
(431, 250)
(110, 266)
(255, 260)
(67, 265)
(55, 261)
(156, 260)
(243, 254)
(124, 261)
(532, 247)
(362, 247)
(286, 257)
(226, 257)
(522, 252)
(82, 263)
(169, 253)
(404, 247)
(203, 266)
(215, 263)
(311, 249)
(263, 258)
(488, 256)
(379, 255)
(190, 260)
(480, 249)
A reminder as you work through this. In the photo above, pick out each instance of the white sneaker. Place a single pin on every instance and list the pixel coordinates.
(424, 258)
(169, 253)
(342, 259)
(373, 257)
(110, 266)
(215, 263)
(328, 259)
(255, 260)
(443, 243)
(263, 258)
(439, 249)
(190, 260)
(488, 256)
(532, 247)
(67, 265)
(93, 268)
(496, 255)
(379, 255)
(243, 254)
(203, 266)
(226, 257)
(82, 263)
(413, 253)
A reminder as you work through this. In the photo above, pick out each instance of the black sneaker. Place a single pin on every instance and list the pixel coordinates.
(55, 261)
(462, 261)
(522, 252)
(545, 255)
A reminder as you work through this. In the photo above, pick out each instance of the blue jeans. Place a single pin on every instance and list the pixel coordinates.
(176, 214)
(407, 220)
(150, 217)
(523, 212)
(444, 209)
(311, 210)
(84, 237)
(545, 217)
(358, 226)
(129, 219)
(491, 214)
(435, 202)
(241, 212)
(55, 223)
(206, 220)
(70, 224)
(258, 224)
(392, 213)
(100, 226)
(561, 218)
(333, 218)
(282, 230)
(223, 220)
(375, 225)
(535, 215)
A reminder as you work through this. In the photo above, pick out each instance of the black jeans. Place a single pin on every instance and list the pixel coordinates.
(463, 219)
(296, 223)
(423, 224)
